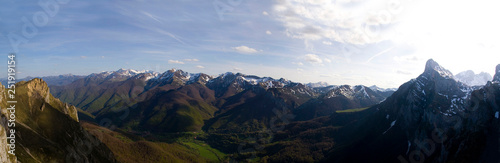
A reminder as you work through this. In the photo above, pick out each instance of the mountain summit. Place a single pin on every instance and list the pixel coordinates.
(432, 67)
(435, 114)
(496, 78)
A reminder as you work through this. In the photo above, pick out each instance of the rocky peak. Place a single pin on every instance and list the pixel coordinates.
(128, 72)
(199, 78)
(496, 78)
(173, 73)
(344, 90)
(433, 69)
(37, 86)
(36, 91)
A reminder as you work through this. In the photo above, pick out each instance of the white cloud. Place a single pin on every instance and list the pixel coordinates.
(265, 13)
(191, 60)
(83, 57)
(313, 58)
(407, 58)
(199, 66)
(269, 32)
(327, 42)
(403, 72)
(245, 49)
(327, 60)
(344, 22)
(298, 63)
(175, 62)
(237, 69)
(325, 76)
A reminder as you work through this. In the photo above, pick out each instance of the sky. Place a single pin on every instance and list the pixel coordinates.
(383, 43)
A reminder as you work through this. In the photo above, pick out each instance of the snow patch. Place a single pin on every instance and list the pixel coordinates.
(409, 145)
(392, 124)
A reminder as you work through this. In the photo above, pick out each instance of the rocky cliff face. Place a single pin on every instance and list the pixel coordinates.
(496, 78)
(47, 130)
(432, 118)
(4, 148)
(36, 90)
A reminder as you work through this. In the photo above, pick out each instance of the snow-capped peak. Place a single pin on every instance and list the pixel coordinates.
(472, 79)
(129, 72)
(318, 84)
(375, 88)
(432, 65)
(119, 73)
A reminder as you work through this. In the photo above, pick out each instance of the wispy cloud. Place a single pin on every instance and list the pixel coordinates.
(154, 52)
(313, 58)
(200, 67)
(325, 75)
(327, 42)
(191, 60)
(378, 54)
(407, 58)
(175, 62)
(403, 72)
(151, 16)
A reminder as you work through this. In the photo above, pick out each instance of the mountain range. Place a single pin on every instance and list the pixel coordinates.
(178, 101)
(472, 79)
(195, 117)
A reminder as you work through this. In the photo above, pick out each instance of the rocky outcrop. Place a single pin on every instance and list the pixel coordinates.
(496, 78)
(47, 130)
(442, 119)
(4, 148)
(37, 90)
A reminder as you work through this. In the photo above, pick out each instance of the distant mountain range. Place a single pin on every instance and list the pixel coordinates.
(187, 117)
(472, 79)
(51, 80)
(191, 100)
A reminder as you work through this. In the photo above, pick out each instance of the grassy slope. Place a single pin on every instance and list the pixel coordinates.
(131, 148)
(351, 110)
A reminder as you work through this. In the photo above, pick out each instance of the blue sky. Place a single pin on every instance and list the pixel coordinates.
(384, 43)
